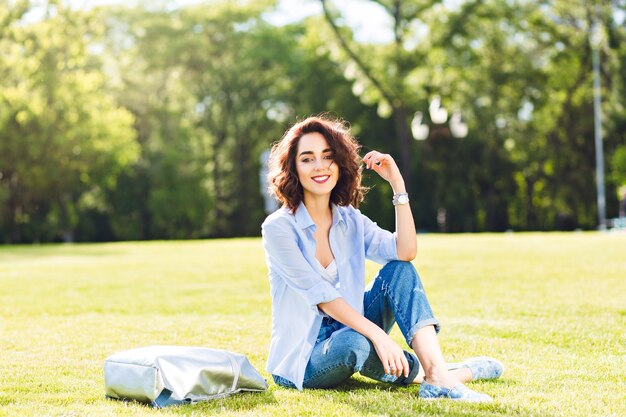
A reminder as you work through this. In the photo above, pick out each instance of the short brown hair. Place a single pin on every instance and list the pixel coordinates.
(283, 177)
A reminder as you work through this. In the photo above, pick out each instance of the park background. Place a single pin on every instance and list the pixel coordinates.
(126, 121)
(148, 120)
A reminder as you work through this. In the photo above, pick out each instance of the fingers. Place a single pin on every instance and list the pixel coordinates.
(392, 367)
(405, 366)
(375, 158)
(398, 366)
(395, 368)
(392, 357)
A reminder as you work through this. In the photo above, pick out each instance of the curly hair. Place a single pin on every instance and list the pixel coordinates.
(283, 177)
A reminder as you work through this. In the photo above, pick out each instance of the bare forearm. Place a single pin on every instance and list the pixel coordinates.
(405, 226)
(390, 354)
(341, 311)
(386, 167)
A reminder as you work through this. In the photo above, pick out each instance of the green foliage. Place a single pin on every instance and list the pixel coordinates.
(61, 137)
(520, 72)
(209, 114)
(148, 122)
(618, 165)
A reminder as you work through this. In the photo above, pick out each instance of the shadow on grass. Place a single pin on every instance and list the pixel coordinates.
(361, 397)
(355, 396)
(361, 383)
(245, 401)
(373, 398)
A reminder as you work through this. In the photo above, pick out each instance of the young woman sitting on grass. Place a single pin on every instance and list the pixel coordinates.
(325, 324)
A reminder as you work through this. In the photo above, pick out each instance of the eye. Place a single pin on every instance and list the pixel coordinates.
(305, 160)
(329, 156)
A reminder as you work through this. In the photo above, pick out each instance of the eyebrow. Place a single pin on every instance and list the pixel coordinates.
(311, 152)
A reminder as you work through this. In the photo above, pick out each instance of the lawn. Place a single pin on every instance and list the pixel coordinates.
(552, 307)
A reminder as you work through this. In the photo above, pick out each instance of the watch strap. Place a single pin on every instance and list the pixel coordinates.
(400, 199)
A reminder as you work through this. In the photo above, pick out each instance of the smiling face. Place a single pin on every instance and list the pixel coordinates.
(317, 172)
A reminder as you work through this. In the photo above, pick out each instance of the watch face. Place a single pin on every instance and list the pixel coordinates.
(403, 199)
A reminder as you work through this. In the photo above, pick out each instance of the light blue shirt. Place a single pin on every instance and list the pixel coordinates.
(296, 278)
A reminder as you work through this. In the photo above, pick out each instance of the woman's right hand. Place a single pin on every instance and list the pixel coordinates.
(391, 355)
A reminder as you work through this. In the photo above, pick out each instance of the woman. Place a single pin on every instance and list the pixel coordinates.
(325, 324)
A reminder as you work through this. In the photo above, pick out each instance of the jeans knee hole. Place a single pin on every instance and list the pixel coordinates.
(326, 346)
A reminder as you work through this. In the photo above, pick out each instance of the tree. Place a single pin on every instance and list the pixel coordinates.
(62, 141)
(212, 106)
(520, 72)
(401, 77)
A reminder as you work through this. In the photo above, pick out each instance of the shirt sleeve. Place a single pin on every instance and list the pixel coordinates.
(286, 259)
(380, 244)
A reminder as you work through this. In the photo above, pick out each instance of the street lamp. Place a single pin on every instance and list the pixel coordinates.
(421, 131)
(596, 44)
(438, 116)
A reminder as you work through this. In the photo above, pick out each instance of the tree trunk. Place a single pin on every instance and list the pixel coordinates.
(531, 215)
(67, 231)
(403, 136)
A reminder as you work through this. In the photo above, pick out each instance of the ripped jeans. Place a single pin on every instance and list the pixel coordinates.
(396, 295)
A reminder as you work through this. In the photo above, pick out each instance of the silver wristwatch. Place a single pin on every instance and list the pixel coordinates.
(400, 199)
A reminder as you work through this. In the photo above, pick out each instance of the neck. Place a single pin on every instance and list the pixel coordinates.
(319, 209)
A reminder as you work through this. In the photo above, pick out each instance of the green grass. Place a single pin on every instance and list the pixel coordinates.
(552, 307)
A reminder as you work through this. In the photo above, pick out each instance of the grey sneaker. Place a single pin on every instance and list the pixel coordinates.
(482, 367)
(458, 393)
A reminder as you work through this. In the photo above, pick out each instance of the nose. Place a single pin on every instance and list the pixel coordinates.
(319, 165)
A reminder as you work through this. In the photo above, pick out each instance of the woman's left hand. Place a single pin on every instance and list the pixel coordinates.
(383, 164)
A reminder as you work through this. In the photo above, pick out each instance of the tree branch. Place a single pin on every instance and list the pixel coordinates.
(353, 56)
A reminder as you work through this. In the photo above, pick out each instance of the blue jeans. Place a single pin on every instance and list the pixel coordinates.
(396, 295)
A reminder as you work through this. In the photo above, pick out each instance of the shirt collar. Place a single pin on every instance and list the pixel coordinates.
(304, 220)
(337, 215)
